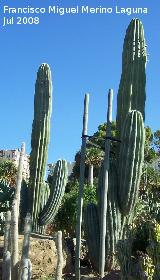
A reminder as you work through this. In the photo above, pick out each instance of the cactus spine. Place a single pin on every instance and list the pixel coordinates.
(56, 193)
(40, 137)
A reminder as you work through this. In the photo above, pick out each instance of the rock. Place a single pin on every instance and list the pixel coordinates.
(43, 256)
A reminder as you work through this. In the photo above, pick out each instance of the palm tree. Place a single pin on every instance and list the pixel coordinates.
(94, 157)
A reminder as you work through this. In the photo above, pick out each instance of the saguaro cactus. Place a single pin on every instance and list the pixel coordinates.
(131, 93)
(40, 137)
(123, 183)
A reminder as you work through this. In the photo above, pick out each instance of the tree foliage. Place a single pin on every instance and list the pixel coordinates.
(8, 172)
(96, 146)
(66, 216)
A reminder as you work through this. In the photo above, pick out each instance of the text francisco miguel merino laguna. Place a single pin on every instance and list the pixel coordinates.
(74, 10)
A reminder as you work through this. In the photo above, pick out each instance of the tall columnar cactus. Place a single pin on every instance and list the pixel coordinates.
(124, 177)
(14, 240)
(19, 177)
(60, 176)
(59, 268)
(40, 137)
(92, 231)
(24, 270)
(131, 93)
(130, 160)
(113, 219)
(6, 268)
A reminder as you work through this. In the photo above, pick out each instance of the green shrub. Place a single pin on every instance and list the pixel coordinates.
(65, 219)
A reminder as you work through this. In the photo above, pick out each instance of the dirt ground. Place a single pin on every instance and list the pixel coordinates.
(43, 256)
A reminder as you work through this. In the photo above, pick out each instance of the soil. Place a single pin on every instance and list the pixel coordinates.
(43, 256)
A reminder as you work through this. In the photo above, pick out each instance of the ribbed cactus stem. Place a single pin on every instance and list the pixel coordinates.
(40, 138)
(20, 176)
(25, 247)
(131, 93)
(7, 232)
(92, 233)
(90, 175)
(57, 190)
(105, 187)
(6, 254)
(27, 232)
(130, 160)
(26, 270)
(14, 240)
(59, 267)
(7, 268)
(81, 187)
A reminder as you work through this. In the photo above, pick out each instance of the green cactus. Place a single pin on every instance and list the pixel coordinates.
(131, 93)
(113, 217)
(59, 182)
(40, 138)
(92, 232)
(130, 161)
(124, 174)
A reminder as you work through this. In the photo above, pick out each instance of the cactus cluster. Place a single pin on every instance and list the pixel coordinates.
(126, 168)
(44, 201)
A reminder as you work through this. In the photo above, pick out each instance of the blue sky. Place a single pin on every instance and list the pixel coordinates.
(84, 53)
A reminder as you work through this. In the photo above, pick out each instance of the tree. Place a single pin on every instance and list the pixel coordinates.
(8, 172)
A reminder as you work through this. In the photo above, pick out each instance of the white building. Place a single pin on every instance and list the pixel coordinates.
(14, 156)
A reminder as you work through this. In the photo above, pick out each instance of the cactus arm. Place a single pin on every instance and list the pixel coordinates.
(130, 160)
(56, 193)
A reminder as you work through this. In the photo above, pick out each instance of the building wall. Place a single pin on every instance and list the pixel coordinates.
(14, 156)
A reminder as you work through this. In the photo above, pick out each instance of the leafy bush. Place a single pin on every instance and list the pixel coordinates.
(65, 219)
